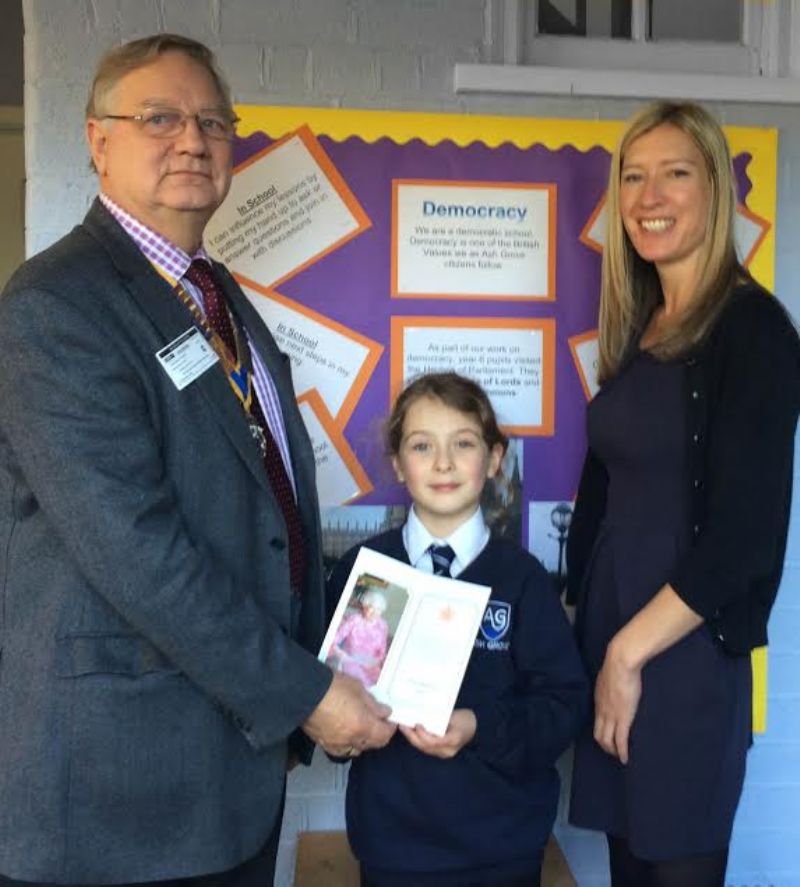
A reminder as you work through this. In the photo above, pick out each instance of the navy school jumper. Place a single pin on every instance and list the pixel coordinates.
(490, 809)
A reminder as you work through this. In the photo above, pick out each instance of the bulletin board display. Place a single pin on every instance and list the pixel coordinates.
(380, 245)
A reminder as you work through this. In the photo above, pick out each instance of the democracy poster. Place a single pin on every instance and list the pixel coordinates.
(379, 245)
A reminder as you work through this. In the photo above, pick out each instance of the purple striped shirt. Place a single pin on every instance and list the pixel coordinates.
(173, 263)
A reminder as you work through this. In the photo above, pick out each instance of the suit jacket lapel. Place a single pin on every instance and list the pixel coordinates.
(171, 318)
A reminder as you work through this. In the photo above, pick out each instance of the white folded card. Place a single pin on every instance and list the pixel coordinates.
(406, 635)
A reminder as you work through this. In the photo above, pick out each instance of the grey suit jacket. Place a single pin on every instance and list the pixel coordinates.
(150, 673)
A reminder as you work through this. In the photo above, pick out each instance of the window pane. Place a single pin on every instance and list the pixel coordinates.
(579, 18)
(721, 20)
(562, 17)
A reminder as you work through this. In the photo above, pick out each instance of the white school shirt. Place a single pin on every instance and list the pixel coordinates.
(468, 541)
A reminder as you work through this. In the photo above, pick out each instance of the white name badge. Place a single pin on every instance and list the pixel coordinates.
(186, 357)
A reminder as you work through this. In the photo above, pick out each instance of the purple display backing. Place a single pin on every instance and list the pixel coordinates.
(352, 284)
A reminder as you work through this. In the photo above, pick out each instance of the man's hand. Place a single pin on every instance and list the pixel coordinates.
(460, 731)
(348, 719)
(338, 656)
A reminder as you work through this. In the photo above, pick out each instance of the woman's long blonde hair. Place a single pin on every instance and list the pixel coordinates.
(630, 289)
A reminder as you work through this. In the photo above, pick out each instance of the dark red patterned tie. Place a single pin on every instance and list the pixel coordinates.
(201, 275)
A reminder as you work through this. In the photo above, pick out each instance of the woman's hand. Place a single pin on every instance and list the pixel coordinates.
(664, 621)
(460, 731)
(616, 699)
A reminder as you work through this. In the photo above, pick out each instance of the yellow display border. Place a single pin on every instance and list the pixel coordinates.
(552, 133)
(493, 130)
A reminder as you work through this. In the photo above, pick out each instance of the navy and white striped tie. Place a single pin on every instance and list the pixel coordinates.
(442, 557)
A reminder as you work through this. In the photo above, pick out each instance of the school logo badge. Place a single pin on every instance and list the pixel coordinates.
(496, 620)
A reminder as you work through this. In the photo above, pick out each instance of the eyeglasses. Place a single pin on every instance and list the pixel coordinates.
(165, 123)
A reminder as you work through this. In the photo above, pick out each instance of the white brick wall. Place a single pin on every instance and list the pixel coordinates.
(399, 54)
(300, 23)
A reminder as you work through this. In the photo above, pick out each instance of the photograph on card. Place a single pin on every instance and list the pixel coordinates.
(501, 500)
(367, 628)
(548, 531)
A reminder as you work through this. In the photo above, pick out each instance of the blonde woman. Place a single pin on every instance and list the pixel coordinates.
(677, 543)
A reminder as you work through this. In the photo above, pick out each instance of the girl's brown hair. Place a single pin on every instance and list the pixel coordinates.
(455, 391)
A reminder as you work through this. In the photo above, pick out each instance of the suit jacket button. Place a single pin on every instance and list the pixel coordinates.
(277, 544)
(27, 506)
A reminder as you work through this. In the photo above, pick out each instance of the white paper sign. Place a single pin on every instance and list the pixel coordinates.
(585, 350)
(748, 231)
(323, 355)
(282, 211)
(509, 362)
(474, 240)
(340, 479)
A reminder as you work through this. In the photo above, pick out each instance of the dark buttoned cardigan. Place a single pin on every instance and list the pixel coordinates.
(742, 387)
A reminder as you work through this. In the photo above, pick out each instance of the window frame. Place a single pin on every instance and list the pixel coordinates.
(764, 67)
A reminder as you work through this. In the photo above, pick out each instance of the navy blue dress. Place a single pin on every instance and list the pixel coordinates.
(678, 793)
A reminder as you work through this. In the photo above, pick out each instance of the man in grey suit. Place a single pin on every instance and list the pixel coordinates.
(159, 529)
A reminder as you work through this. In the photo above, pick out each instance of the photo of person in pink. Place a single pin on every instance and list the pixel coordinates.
(362, 640)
